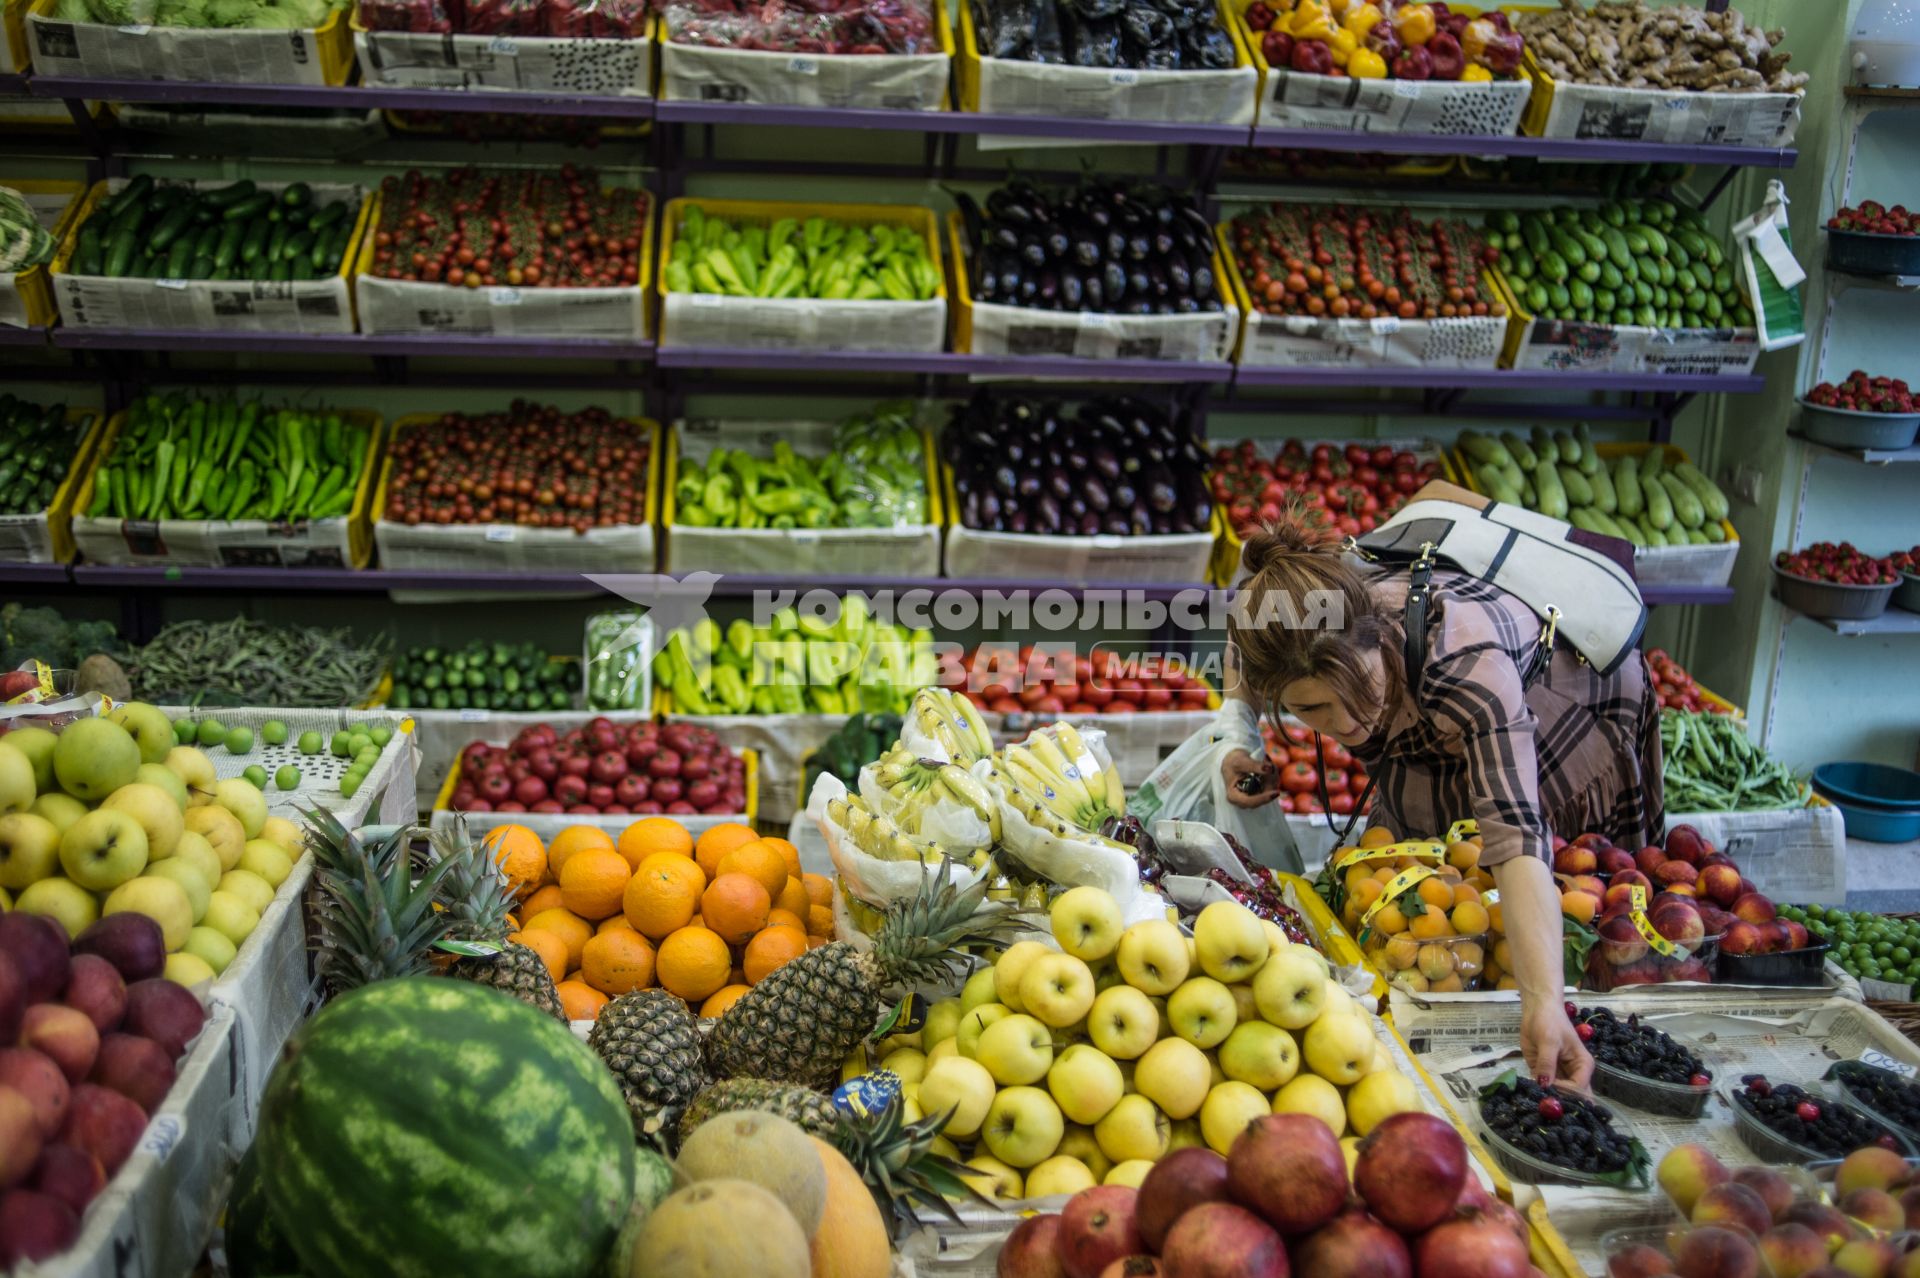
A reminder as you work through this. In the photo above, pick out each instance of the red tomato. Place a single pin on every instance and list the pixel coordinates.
(1337, 755)
(1129, 690)
(1299, 778)
(1049, 705)
(1081, 707)
(1005, 705)
(1095, 694)
(1121, 707)
(1033, 692)
(1336, 781)
(1159, 699)
(1340, 804)
(1297, 733)
(1307, 804)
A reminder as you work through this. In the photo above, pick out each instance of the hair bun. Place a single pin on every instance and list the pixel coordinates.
(1272, 544)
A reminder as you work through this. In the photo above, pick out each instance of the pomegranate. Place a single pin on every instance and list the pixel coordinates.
(1030, 1251)
(1289, 1168)
(1353, 1245)
(1410, 1171)
(1471, 1245)
(1097, 1227)
(1183, 1179)
(1221, 1240)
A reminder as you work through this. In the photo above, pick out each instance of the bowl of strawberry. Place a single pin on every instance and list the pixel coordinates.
(1355, 486)
(1861, 412)
(1874, 240)
(1835, 583)
(1907, 594)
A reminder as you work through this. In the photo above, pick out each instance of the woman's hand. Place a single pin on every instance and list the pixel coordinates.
(1552, 1046)
(1238, 765)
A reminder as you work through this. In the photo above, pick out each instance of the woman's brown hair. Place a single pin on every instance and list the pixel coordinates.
(1285, 639)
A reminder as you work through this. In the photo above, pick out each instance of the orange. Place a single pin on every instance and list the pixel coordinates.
(735, 906)
(580, 1001)
(618, 962)
(787, 918)
(547, 898)
(1430, 926)
(793, 897)
(663, 894)
(815, 942)
(758, 861)
(693, 963)
(593, 882)
(820, 921)
(1434, 892)
(569, 927)
(521, 855)
(649, 835)
(719, 840)
(819, 888)
(788, 852)
(618, 923)
(696, 920)
(550, 946)
(772, 948)
(726, 997)
(576, 838)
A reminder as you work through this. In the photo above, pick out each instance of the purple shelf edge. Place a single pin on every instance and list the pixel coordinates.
(447, 344)
(1497, 379)
(1163, 132)
(14, 572)
(11, 335)
(941, 363)
(1598, 150)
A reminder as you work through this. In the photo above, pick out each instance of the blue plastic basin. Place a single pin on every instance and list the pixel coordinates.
(1874, 784)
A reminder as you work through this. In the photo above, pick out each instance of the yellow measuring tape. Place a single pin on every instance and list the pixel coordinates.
(1636, 910)
(1397, 887)
(1421, 848)
(1461, 829)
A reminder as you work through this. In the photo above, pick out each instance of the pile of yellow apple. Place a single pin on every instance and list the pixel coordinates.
(1084, 1064)
(108, 815)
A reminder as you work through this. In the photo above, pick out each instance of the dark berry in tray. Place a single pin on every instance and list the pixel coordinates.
(1638, 1049)
(1882, 1091)
(1795, 1114)
(1556, 1127)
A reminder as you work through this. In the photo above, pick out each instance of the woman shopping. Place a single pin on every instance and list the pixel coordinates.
(1485, 724)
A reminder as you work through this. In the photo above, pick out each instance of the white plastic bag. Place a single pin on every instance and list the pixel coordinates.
(1188, 786)
(874, 881)
(954, 826)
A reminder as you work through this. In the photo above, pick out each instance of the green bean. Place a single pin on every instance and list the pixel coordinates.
(245, 662)
(1713, 766)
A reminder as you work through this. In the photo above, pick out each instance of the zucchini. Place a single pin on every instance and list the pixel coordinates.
(1659, 505)
(1569, 447)
(1581, 517)
(1606, 498)
(1652, 460)
(1579, 491)
(1589, 459)
(1552, 495)
(1519, 449)
(1705, 489)
(249, 208)
(1485, 449)
(1686, 505)
(1604, 523)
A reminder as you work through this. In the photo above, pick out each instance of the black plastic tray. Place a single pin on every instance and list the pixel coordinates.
(1805, 966)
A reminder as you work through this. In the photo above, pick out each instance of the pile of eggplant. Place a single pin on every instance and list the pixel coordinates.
(1104, 246)
(1117, 466)
(1140, 35)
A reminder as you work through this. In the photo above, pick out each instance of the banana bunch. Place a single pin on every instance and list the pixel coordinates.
(919, 784)
(1029, 898)
(883, 839)
(1047, 787)
(954, 722)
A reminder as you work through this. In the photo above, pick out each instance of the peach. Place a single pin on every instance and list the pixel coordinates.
(1574, 859)
(1649, 859)
(1642, 1261)
(1870, 1167)
(1713, 1252)
(1865, 1258)
(167, 1013)
(1874, 1208)
(138, 1068)
(1832, 1227)
(1579, 906)
(1669, 873)
(70, 1174)
(1688, 1171)
(1720, 884)
(1678, 921)
(34, 1226)
(35, 1076)
(1614, 860)
(1620, 942)
(1732, 1204)
(1775, 1190)
(63, 1033)
(1753, 908)
(105, 1124)
(1792, 1251)
(1684, 843)
(1741, 938)
(20, 1138)
(1796, 934)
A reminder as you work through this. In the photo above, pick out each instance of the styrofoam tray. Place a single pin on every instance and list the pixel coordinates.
(319, 773)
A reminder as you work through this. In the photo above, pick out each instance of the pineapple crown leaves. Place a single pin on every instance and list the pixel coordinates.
(896, 1160)
(377, 922)
(920, 934)
(478, 894)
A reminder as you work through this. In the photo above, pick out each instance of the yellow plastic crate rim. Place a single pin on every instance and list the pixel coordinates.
(967, 65)
(670, 497)
(443, 801)
(766, 212)
(79, 476)
(358, 516)
(1502, 1186)
(332, 39)
(15, 16)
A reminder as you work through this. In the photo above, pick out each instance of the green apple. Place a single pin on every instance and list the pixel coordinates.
(1339, 1047)
(187, 969)
(285, 833)
(1202, 1011)
(996, 1179)
(245, 801)
(249, 887)
(1290, 989)
(1023, 1127)
(943, 1021)
(195, 771)
(196, 885)
(1133, 1128)
(941, 1050)
(104, 848)
(65, 902)
(183, 730)
(155, 810)
(366, 758)
(266, 859)
(978, 990)
(1261, 1054)
(38, 745)
(961, 1086)
(197, 852)
(1123, 1022)
(1106, 974)
(1175, 1075)
(1338, 1000)
(1245, 1006)
(1185, 1134)
(255, 776)
(1132, 1173)
(1378, 1097)
(1079, 1142)
(29, 849)
(350, 783)
(287, 777)
(273, 732)
(1312, 1094)
(165, 778)
(1087, 923)
(61, 809)
(230, 916)
(1224, 1115)
(239, 741)
(211, 733)
(1153, 956)
(967, 1037)
(161, 899)
(1060, 1174)
(1230, 942)
(1016, 1049)
(358, 741)
(1057, 989)
(211, 948)
(910, 1063)
(1011, 968)
(222, 831)
(1085, 1083)
(381, 735)
(311, 743)
(151, 730)
(16, 780)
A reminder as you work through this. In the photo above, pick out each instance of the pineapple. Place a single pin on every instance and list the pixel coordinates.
(798, 1024)
(896, 1160)
(479, 896)
(651, 1042)
(375, 923)
(806, 1109)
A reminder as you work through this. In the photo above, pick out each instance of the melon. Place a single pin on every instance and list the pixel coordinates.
(255, 1245)
(428, 1126)
(765, 1149)
(851, 1241)
(720, 1229)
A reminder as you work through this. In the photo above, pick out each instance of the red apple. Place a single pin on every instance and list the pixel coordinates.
(38, 947)
(1029, 1250)
(138, 1068)
(1181, 1180)
(1289, 1169)
(104, 1123)
(133, 943)
(168, 1014)
(1221, 1240)
(1097, 1227)
(35, 1076)
(1410, 1169)
(64, 1034)
(34, 1226)
(94, 986)
(70, 1174)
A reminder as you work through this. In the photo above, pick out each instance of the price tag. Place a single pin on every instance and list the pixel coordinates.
(804, 536)
(1123, 78)
(1385, 325)
(173, 284)
(499, 532)
(471, 714)
(1880, 1060)
(504, 47)
(503, 296)
(803, 66)
(162, 1134)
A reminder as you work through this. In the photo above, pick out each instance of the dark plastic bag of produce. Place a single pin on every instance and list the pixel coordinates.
(1094, 42)
(1207, 47)
(422, 17)
(596, 19)
(805, 26)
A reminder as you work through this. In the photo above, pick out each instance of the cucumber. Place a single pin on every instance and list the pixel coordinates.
(1581, 517)
(1705, 489)
(1552, 494)
(1686, 505)
(227, 196)
(1521, 451)
(201, 268)
(254, 243)
(1606, 498)
(299, 195)
(134, 192)
(228, 247)
(179, 258)
(1569, 447)
(339, 243)
(298, 246)
(87, 255)
(176, 221)
(1659, 505)
(1605, 523)
(1652, 460)
(1579, 491)
(1716, 531)
(277, 243)
(329, 215)
(1483, 448)
(120, 254)
(1589, 459)
(249, 208)
(1653, 535)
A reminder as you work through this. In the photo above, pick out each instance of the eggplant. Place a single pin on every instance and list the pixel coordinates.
(1200, 514)
(1140, 520)
(1076, 456)
(1056, 458)
(1077, 508)
(991, 508)
(1094, 291)
(970, 511)
(1012, 449)
(1057, 243)
(1161, 494)
(1138, 285)
(1073, 294)
(1007, 206)
(1049, 289)
(1017, 521)
(1086, 248)
(1163, 242)
(1138, 247)
(1005, 481)
(1010, 277)
(1095, 492)
(1029, 484)
(1115, 525)
(1114, 277)
(1116, 245)
(1046, 513)
(1032, 251)
(1178, 276)
(1029, 289)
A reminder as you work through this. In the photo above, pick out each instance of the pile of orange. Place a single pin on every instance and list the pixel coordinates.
(705, 919)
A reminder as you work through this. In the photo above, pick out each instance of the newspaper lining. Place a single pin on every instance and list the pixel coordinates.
(96, 51)
(514, 64)
(1296, 101)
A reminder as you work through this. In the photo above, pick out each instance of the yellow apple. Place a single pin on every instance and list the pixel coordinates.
(974, 1024)
(1087, 922)
(266, 859)
(1175, 1075)
(1202, 1011)
(29, 849)
(1290, 989)
(1245, 1006)
(285, 833)
(941, 1050)
(1377, 1097)
(17, 786)
(93, 758)
(38, 745)
(978, 990)
(943, 1021)
(1085, 1083)
(1133, 1128)
(962, 1086)
(230, 916)
(1153, 956)
(1132, 1173)
(1226, 1112)
(156, 812)
(1261, 1054)
(1339, 1047)
(1080, 1142)
(188, 876)
(909, 1063)
(1229, 941)
(104, 848)
(1185, 1134)
(1011, 969)
(162, 900)
(195, 771)
(1016, 1049)
(1023, 1127)
(1057, 989)
(187, 969)
(244, 801)
(160, 775)
(61, 900)
(1339, 999)
(1311, 1094)
(197, 852)
(211, 947)
(61, 809)
(249, 887)
(222, 831)
(152, 731)
(996, 1179)
(1059, 1175)
(1276, 937)
(1123, 1022)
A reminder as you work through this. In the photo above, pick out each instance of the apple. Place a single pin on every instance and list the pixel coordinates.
(230, 915)
(38, 745)
(1175, 1075)
(1087, 923)
(266, 859)
(285, 833)
(1058, 989)
(1123, 1022)
(1133, 1128)
(152, 731)
(1223, 1240)
(153, 807)
(196, 851)
(29, 849)
(1261, 1054)
(95, 987)
(133, 943)
(1230, 942)
(216, 951)
(104, 848)
(161, 899)
(979, 989)
(1339, 1048)
(95, 757)
(1291, 989)
(1085, 1083)
(1153, 956)
(943, 1021)
(1686, 1172)
(1312, 1095)
(997, 1180)
(36, 1076)
(1032, 1249)
(1379, 1096)
(249, 887)
(244, 800)
(64, 1034)
(1227, 1111)
(1060, 1174)
(1132, 1173)
(1098, 1228)
(196, 772)
(61, 809)
(1202, 1011)
(163, 778)
(1010, 969)
(38, 953)
(1016, 1050)
(188, 970)
(34, 1225)
(69, 1174)
(138, 1068)
(1023, 1126)
(195, 884)
(966, 1038)
(960, 1088)
(60, 901)
(16, 779)
(103, 1123)
(222, 832)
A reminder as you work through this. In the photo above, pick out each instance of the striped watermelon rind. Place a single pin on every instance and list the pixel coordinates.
(427, 1127)
(255, 1246)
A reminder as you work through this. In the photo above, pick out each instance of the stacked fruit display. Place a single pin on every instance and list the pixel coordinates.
(1844, 564)
(37, 447)
(1620, 264)
(1639, 496)
(1354, 486)
(1397, 39)
(177, 457)
(1859, 393)
(560, 19)
(1134, 35)
(109, 816)
(1103, 246)
(796, 665)
(532, 465)
(1412, 1204)
(1676, 688)
(92, 1034)
(483, 676)
(1875, 218)
(819, 257)
(1345, 262)
(1436, 932)
(1299, 757)
(1030, 679)
(603, 768)
(874, 475)
(1872, 947)
(535, 229)
(237, 232)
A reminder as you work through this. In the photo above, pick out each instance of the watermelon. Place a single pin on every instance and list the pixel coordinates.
(652, 1181)
(255, 1246)
(429, 1126)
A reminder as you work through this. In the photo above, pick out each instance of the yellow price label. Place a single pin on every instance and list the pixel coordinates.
(1397, 887)
(1422, 848)
(1462, 829)
(1636, 910)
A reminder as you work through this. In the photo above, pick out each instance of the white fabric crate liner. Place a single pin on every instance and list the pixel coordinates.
(443, 734)
(781, 742)
(1561, 345)
(1020, 330)
(338, 134)
(415, 306)
(880, 81)
(268, 986)
(802, 323)
(214, 543)
(1150, 558)
(548, 824)
(93, 50)
(1012, 87)
(1386, 342)
(1303, 101)
(523, 64)
(319, 773)
(511, 548)
(1672, 115)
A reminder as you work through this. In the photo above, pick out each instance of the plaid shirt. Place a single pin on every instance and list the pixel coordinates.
(1575, 753)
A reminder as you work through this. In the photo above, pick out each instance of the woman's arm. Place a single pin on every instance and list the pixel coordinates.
(1530, 908)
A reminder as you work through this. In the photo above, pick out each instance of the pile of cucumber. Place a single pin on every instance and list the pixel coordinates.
(1637, 497)
(237, 232)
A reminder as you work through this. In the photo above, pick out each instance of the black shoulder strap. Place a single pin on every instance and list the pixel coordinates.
(1413, 648)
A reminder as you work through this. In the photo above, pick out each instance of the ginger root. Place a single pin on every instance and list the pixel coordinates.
(1628, 43)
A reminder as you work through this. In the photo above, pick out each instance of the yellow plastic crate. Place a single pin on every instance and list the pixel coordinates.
(33, 284)
(766, 212)
(15, 18)
(332, 39)
(1548, 1249)
(1235, 15)
(59, 511)
(1674, 455)
(1502, 1186)
(936, 509)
